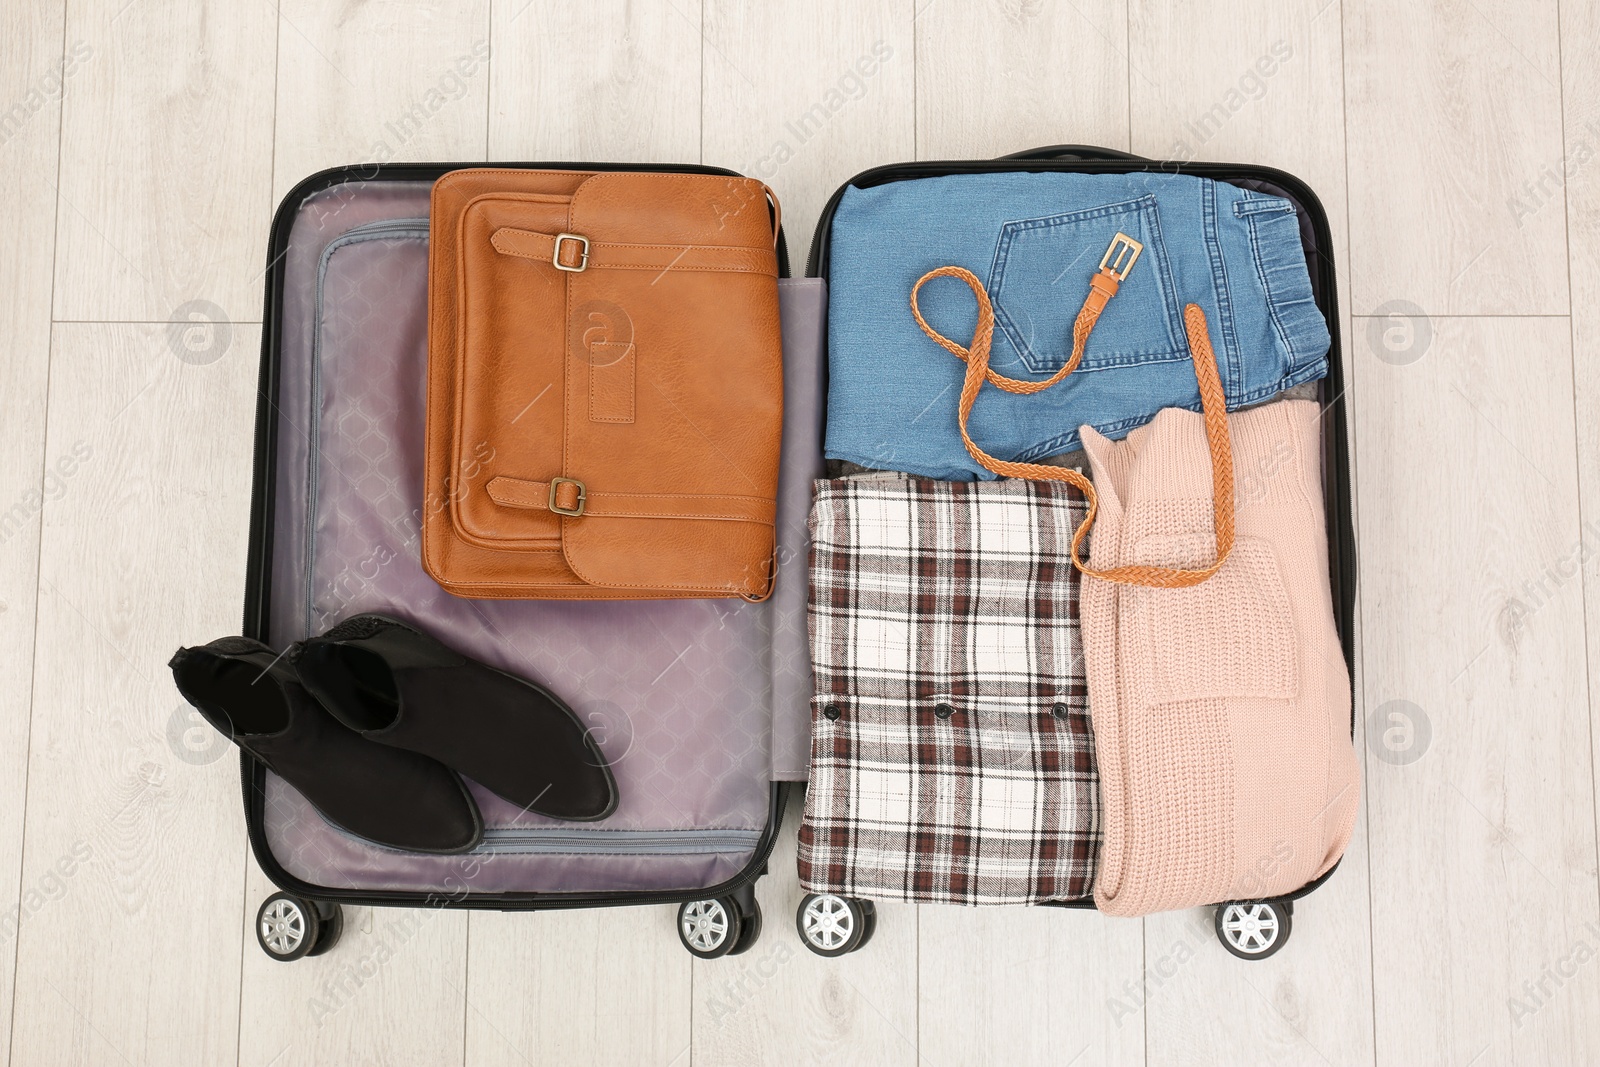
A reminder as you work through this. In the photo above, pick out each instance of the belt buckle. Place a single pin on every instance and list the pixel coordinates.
(1121, 255)
(557, 483)
(583, 254)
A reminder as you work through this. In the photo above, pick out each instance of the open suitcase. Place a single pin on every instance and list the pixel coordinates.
(1247, 928)
(678, 694)
(701, 706)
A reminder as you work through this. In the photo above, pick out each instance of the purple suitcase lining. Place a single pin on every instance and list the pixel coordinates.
(682, 695)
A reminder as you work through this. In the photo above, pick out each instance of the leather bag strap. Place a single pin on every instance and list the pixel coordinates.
(1213, 402)
(576, 253)
(571, 497)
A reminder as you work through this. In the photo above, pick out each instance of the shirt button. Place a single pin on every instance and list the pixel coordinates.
(943, 711)
(1060, 711)
(830, 712)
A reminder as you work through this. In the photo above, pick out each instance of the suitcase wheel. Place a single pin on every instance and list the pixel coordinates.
(1254, 929)
(749, 928)
(289, 927)
(711, 929)
(831, 925)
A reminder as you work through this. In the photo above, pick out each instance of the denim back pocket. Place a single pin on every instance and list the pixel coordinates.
(1041, 275)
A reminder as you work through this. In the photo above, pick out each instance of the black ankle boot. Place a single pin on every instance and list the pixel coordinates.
(399, 686)
(386, 795)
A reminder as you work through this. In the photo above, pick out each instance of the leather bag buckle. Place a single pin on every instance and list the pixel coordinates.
(583, 253)
(555, 487)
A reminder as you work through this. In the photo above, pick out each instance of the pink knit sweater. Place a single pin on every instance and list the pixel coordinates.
(1221, 712)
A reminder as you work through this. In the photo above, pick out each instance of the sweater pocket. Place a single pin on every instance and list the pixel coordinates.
(1231, 636)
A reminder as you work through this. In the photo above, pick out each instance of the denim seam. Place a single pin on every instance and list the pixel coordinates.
(1174, 355)
(1058, 444)
(1121, 207)
(1317, 368)
(1219, 281)
(1173, 305)
(845, 455)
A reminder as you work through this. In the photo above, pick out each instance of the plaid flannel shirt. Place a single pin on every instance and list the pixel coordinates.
(951, 756)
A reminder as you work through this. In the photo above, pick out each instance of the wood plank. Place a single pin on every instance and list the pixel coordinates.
(832, 97)
(605, 986)
(166, 146)
(378, 84)
(1481, 822)
(1580, 63)
(1453, 113)
(601, 81)
(134, 841)
(391, 991)
(34, 73)
(1005, 75)
(1030, 986)
(780, 1002)
(1270, 91)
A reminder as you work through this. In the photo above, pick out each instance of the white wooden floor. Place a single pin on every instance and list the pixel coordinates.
(1455, 145)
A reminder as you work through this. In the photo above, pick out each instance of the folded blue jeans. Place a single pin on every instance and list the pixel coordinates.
(1036, 239)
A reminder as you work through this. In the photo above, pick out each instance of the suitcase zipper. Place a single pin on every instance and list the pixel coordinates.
(566, 841)
(378, 230)
(766, 843)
